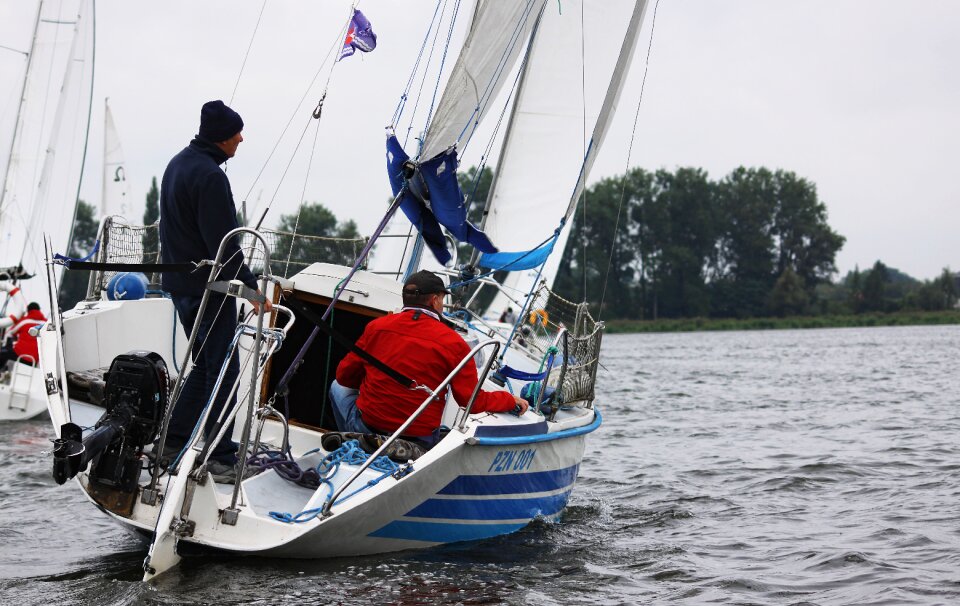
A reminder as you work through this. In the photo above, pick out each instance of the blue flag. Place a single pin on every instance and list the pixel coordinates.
(360, 36)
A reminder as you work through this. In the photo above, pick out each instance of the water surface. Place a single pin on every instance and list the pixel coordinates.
(777, 467)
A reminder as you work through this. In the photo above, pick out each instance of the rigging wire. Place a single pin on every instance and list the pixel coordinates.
(623, 190)
(286, 127)
(247, 55)
(583, 98)
(423, 80)
(487, 95)
(86, 138)
(402, 103)
(303, 198)
(443, 61)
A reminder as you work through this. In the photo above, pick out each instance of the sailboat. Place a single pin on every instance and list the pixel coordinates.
(42, 175)
(332, 495)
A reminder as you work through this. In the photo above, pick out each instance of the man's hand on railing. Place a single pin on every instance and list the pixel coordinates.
(267, 306)
(521, 406)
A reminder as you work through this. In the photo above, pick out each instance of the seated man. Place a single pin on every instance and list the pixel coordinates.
(24, 344)
(418, 344)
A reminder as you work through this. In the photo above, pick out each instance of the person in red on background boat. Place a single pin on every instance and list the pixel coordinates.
(18, 343)
(417, 343)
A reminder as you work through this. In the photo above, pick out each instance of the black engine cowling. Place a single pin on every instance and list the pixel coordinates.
(135, 398)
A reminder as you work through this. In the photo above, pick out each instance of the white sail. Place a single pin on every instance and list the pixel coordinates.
(498, 33)
(548, 150)
(115, 198)
(44, 160)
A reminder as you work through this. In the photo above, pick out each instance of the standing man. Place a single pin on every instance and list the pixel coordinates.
(418, 344)
(196, 212)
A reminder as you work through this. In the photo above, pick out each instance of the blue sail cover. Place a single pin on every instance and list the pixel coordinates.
(517, 261)
(433, 198)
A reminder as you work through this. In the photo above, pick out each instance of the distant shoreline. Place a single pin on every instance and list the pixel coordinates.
(905, 318)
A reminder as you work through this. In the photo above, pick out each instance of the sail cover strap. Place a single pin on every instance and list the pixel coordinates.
(141, 267)
(305, 312)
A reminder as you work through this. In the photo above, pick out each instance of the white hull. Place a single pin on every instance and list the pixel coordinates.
(458, 491)
(489, 476)
(23, 394)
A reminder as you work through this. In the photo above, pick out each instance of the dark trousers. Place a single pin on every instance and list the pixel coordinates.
(213, 342)
(7, 355)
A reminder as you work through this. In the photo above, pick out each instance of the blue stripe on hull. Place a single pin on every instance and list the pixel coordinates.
(437, 532)
(490, 509)
(514, 483)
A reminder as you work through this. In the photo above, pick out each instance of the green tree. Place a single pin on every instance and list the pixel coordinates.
(873, 288)
(73, 287)
(332, 241)
(789, 295)
(768, 221)
(600, 250)
(151, 214)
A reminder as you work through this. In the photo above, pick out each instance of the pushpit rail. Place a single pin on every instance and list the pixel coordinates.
(150, 494)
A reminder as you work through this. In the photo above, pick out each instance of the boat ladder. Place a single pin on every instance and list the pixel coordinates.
(23, 368)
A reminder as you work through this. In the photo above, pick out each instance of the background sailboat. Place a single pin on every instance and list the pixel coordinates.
(115, 198)
(45, 157)
(43, 168)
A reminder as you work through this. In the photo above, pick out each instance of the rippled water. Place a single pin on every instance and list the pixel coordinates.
(781, 467)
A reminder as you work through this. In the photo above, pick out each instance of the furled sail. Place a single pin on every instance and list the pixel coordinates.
(547, 152)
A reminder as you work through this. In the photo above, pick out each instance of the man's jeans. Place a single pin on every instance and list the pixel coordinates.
(213, 342)
(345, 410)
(344, 400)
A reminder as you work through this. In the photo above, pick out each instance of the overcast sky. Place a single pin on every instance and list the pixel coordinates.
(860, 97)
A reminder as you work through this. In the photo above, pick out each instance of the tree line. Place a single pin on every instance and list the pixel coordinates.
(755, 243)
(659, 244)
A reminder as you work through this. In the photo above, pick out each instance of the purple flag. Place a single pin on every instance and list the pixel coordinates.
(360, 36)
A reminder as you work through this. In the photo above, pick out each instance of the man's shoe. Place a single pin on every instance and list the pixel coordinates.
(170, 453)
(223, 473)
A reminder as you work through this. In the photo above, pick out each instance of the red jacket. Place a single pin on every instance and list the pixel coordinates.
(26, 344)
(425, 350)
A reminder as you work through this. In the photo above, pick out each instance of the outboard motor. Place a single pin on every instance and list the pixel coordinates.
(135, 397)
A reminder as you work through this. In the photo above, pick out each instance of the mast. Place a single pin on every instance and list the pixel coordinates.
(18, 125)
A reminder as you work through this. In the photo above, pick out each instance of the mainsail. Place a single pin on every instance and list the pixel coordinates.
(546, 155)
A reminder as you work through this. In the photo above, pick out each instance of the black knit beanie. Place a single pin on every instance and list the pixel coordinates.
(218, 122)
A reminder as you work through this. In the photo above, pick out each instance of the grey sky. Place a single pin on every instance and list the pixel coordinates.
(858, 96)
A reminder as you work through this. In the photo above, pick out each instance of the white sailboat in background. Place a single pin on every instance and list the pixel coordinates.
(492, 473)
(115, 197)
(43, 170)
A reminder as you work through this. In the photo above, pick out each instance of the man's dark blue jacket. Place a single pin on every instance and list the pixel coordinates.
(196, 212)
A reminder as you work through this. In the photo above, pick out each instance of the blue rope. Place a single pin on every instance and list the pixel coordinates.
(65, 260)
(464, 317)
(351, 454)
